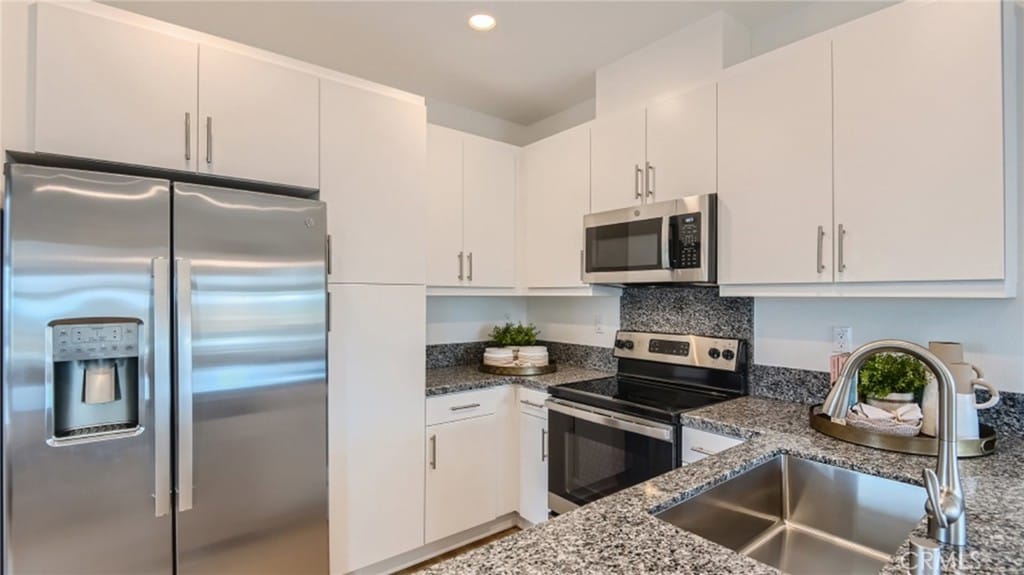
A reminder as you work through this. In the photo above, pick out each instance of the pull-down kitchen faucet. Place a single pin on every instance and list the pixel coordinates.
(947, 518)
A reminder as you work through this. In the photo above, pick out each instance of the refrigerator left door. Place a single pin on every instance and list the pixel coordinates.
(86, 391)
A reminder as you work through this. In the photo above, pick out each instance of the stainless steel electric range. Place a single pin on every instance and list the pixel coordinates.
(611, 433)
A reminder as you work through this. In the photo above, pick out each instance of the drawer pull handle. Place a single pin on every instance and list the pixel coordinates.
(433, 452)
(702, 450)
(463, 407)
(531, 404)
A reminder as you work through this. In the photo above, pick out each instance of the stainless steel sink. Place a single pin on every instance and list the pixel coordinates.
(804, 517)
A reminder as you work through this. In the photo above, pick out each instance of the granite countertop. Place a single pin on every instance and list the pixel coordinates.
(619, 534)
(468, 377)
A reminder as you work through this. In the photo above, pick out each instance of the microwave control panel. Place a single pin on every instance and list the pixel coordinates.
(687, 240)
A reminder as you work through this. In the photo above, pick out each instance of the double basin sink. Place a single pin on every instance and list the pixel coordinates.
(805, 517)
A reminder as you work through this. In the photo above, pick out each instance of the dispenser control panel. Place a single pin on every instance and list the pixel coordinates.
(95, 340)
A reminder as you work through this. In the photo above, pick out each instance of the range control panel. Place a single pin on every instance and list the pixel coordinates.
(101, 340)
(692, 350)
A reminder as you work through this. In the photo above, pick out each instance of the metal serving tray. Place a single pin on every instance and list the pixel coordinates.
(917, 445)
(526, 370)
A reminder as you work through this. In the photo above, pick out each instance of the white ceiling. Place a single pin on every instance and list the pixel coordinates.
(539, 60)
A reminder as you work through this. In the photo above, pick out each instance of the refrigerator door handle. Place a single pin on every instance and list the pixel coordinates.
(161, 358)
(184, 351)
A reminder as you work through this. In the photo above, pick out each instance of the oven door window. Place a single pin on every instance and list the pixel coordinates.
(629, 246)
(589, 461)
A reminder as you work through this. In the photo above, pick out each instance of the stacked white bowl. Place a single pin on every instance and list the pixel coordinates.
(500, 356)
(535, 355)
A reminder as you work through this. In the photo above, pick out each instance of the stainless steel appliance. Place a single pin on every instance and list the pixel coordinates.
(611, 433)
(664, 242)
(164, 390)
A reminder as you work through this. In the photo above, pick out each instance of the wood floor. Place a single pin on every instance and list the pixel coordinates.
(459, 551)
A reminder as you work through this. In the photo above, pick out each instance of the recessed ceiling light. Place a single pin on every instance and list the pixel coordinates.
(482, 22)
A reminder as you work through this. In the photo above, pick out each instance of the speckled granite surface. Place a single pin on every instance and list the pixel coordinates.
(468, 377)
(788, 384)
(619, 534)
(453, 354)
(690, 310)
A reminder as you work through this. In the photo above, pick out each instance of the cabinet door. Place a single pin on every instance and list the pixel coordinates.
(445, 258)
(259, 121)
(617, 161)
(919, 143)
(489, 212)
(461, 459)
(372, 157)
(111, 91)
(533, 468)
(775, 168)
(682, 141)
(376, 422)
(556, 182)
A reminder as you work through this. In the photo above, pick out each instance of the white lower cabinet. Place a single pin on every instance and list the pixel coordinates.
(376, 420)
(533, 456)
(697, 444)
(461, 462)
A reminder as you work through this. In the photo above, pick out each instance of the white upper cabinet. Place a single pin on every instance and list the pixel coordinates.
(372, 158)
(556, 182)
(919, 143)
(775, 168)
(445, 257)
(111, 91)
(681, 145)
(258, 120)
(489, 210)
(471, 201)
(617, 161)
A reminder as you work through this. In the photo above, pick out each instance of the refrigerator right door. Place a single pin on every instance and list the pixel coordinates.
(250, 359)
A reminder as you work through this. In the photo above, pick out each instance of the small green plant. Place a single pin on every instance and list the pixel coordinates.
(887, 373)
(515, 334)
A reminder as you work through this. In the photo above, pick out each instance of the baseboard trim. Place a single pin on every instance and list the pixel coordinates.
(431, 550)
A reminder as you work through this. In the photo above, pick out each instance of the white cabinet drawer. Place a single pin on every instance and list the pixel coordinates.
(697, 444)
(531, 402)
(457, 406)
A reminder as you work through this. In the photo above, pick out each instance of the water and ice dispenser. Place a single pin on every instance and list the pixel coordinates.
(96, 384)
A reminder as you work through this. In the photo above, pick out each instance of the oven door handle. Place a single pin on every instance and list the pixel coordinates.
(615, 421)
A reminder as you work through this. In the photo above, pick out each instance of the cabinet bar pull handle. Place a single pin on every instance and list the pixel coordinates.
(638, 175)
(821, 241)
(650, 180)
(188, 136)
(702, 450)
(582, 266)
(543, 445)
(462, 407)
(433, 452)
(469, 276)
(330, 255)
(531, 404)
(842, 239)
(460, 266)
(209, 139)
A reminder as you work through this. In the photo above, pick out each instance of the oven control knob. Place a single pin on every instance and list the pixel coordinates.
(728, 355)
(629, 344)
(620, 343)
(714, 353)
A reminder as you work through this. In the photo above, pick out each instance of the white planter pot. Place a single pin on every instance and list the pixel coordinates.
(891, 402)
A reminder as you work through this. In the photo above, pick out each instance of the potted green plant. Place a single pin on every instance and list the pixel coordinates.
(891, 380)
(514, 335)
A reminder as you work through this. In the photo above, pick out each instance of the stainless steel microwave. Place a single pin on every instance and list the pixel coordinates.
(665, 242)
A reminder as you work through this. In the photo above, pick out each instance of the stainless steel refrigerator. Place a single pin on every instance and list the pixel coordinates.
(164, 377)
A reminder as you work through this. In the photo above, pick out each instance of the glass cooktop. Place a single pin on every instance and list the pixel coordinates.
(652, 399)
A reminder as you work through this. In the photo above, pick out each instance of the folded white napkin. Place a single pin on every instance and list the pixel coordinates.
(910, 413)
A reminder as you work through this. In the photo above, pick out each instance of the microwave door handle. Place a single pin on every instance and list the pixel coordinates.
(666, 242)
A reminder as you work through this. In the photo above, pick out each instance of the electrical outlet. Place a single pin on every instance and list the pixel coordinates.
(842, 339)
(598, 324)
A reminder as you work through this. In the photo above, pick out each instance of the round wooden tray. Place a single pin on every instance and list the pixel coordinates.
(508, 370)
(917, 445)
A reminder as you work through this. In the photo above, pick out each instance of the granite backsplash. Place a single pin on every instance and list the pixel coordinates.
(701, 311)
